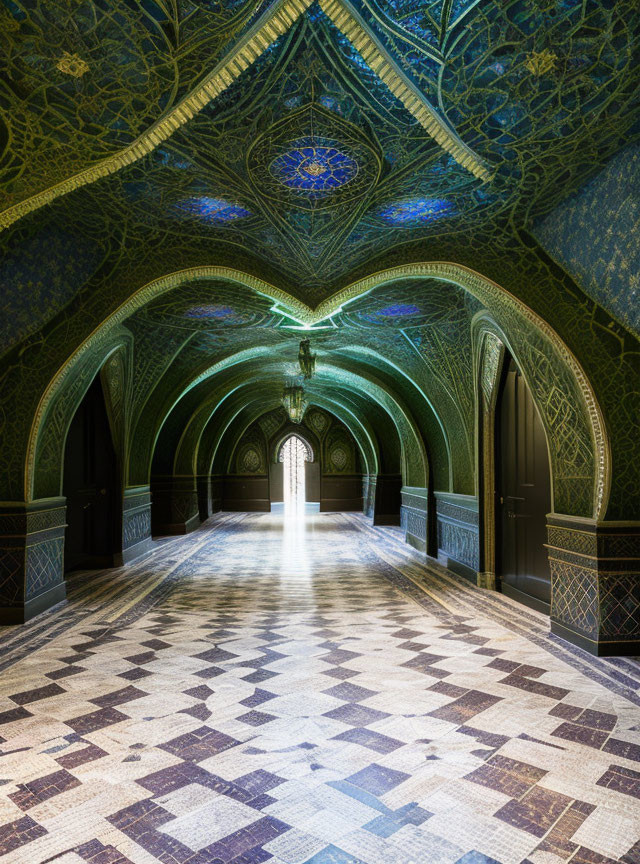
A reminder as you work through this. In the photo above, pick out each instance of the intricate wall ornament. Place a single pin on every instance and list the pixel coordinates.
(272, 421)
(251, 454)
(339, 451)
(317, 420)
(594, 236)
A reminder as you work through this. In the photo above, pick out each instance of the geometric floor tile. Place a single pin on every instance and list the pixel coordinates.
(291, 693)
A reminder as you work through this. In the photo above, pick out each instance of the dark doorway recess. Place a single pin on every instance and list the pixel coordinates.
(90, 485)
(524, 494)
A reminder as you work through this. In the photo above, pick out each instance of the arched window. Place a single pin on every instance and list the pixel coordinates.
(294, 452)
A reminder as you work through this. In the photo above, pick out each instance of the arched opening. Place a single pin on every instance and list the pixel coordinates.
(523, 493)
(90, 485)
(294, 453)
(586, 430)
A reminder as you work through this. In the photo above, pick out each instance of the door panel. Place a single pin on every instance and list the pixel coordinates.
(90, 485)
(524, 486)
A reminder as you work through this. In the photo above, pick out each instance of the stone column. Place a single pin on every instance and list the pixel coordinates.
(31, 558)
(595, 583)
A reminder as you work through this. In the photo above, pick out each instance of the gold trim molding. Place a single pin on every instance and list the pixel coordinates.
(350, 25)
(274, 24)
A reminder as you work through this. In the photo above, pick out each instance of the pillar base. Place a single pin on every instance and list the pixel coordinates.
(31, 558)
(595, 580)
(386, 499)
(137, 550)
(178, 527)
(31, 608)
(597, 648)
(458, 534)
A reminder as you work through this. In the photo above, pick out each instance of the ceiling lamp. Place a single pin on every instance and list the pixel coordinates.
(306, 359)
(293, 401)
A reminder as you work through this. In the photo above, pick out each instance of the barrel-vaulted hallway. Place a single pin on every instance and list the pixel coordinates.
(307, 690)
(319, 432)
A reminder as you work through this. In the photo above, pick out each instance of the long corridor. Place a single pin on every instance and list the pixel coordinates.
(308, 691)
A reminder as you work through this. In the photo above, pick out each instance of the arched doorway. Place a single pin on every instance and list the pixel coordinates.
(294, 452)
(523, 493)
(90, 485)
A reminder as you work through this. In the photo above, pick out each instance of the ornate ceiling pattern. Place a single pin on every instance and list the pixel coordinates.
(233, 166)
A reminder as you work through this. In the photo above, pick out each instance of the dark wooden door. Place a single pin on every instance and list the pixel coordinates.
(524, 494)
(90, 484)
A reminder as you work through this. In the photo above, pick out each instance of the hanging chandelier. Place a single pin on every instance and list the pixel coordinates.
(293, 401)
(306, 359)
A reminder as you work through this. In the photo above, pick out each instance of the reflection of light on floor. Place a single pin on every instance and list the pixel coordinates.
(294, 559)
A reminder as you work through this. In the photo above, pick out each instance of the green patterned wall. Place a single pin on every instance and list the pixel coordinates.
(595, 236)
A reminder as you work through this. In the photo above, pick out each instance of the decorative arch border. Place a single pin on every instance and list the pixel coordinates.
(414, 466)
(489, 351)
(501, 303)
(195, 426)
(484, 289)
(362, 351)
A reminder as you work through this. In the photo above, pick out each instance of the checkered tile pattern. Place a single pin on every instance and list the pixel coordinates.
(294, 695)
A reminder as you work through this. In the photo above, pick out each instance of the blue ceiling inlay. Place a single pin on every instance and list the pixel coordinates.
(396, 310)
(212, 209)
(314, 166)
(417, 210)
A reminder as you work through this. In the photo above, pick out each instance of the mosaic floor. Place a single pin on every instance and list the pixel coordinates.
(255, 693)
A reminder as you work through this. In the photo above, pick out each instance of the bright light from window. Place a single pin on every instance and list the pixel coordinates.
(293, 457)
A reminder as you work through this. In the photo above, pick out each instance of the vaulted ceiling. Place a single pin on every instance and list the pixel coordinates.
(305, 145)
(316, 135)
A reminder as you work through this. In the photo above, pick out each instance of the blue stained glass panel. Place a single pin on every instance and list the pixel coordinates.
(417, 210)
(212, 209)
(314, 167)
